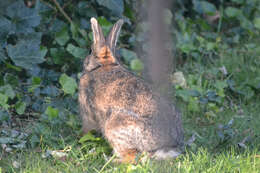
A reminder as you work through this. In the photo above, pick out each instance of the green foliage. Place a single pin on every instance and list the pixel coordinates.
(23, 19)
(52, 112)
(8, 91)
(136, 65)
(62, 37)
(128, 55)
(36, 81)
(130, 58)
(68, 84)
(20, 107)
(3, 101)
(204, 7)
(77, 52)
(233, 12)
(27, 52)
(116, 6)
(106, 25)
(219, 47)
(90, 141)
(257, 22)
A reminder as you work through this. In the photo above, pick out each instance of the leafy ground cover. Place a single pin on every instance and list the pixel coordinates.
(216, 84)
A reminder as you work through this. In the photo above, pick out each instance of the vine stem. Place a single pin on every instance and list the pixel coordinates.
(62, 11)
(81, 31)
(49, 5)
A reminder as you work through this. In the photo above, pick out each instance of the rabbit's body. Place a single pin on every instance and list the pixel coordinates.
(129, 114)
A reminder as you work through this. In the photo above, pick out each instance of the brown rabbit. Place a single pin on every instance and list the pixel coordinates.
(132, 117)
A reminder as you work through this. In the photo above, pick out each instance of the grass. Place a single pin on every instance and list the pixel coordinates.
(206, 154)
(226, 134)
(201, 161)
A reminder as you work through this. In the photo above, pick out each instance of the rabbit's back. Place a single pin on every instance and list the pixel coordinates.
(118, 88)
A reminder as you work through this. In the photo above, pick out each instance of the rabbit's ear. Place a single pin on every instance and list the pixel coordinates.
(98, 36)
(113, 35)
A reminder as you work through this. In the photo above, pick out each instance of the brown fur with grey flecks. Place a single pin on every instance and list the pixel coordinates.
(123, 107)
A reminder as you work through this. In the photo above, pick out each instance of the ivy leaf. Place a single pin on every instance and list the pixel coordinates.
(20, 107)
(42, 7)
(76, 51)
(58, 55)
(245, 23)
(232, 12)
(11, 79)
(62, 37)
(3, 101)
(4, 5)
(51, 91)
(105, 24)
(116, 6)
(23, 18)
(68, 84)
(5, 28)
(127, 55)
(257, 22)
(56, 26)
(4, 115)
(52, 112)
(84, 24)
(36, 81)
(204, 7)
(27, 52)
(8, 91)
(136, 65)
(86, 10)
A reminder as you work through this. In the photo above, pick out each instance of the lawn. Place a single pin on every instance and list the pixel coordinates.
(208, 153)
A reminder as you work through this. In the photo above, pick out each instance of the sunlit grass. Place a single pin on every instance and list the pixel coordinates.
(199, 161)
(206, 154)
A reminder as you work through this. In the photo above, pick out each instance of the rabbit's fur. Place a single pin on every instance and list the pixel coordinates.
(131, 116)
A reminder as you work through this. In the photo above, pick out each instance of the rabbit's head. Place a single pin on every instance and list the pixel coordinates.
(103, 50)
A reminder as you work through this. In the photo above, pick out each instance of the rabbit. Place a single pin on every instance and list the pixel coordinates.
(123, 107)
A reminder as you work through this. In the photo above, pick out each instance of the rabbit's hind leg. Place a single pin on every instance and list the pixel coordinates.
(126, 155)
(121, 135)
(122, 145)
(125, 152)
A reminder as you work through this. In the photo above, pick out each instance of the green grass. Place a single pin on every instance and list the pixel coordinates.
(199, 161)
(206, 154)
